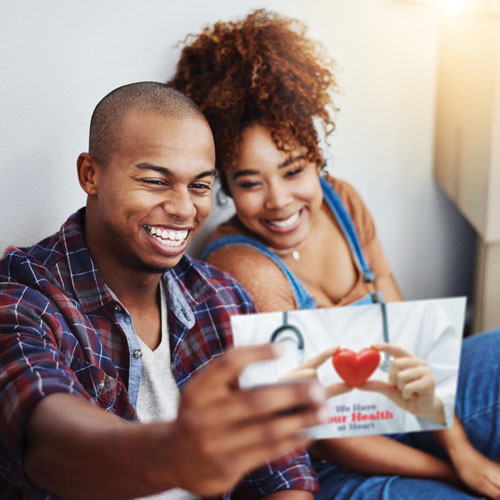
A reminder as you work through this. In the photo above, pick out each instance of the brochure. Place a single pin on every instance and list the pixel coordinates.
(387, 368)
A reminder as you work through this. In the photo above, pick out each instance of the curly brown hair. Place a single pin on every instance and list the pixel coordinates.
(262, 69)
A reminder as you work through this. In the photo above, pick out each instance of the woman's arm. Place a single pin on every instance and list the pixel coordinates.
(478, 472)
(389, 288)
(382, 455)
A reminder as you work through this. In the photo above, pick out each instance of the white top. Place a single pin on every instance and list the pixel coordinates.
(158, 397)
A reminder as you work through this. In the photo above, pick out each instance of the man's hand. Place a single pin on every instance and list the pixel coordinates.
(411, 384)
(223, 432)
(309, 371)
(78, 451)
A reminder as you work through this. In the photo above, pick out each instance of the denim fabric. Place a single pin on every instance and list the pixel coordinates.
(477, 406)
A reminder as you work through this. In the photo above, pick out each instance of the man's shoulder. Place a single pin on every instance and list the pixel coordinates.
(26, 264)
(46, 261)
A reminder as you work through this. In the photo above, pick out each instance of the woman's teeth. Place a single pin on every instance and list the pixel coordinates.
(285, 222)
(168, 237)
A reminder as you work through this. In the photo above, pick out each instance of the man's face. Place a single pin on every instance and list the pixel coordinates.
(155, 191)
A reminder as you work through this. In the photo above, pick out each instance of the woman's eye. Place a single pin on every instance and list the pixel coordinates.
(247, 184)
(295, 171)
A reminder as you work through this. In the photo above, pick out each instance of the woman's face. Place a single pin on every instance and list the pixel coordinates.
(277, 196)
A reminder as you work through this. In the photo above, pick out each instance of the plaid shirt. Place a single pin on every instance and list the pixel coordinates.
(59, 332)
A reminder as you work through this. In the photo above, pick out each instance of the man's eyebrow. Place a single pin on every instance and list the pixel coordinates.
(163, 170)
(207, 173)
(155, 168)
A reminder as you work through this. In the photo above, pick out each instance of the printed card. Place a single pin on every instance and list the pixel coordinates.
(387, 368)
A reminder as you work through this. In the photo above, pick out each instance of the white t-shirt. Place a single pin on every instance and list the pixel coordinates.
(158, 397)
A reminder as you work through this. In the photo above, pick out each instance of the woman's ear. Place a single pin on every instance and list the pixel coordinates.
(87, 170)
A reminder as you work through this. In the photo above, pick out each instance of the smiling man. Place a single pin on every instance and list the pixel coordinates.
(108, 386)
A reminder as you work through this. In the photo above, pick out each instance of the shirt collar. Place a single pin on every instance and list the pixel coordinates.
(187, 286)
(88, 285)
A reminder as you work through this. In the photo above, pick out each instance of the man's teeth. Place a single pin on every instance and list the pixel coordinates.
(169, 236)
(286, 222)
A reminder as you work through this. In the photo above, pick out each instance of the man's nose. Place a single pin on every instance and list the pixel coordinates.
(179, 204)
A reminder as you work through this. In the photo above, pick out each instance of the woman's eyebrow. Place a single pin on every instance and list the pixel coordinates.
(241, 173)
(291, 160)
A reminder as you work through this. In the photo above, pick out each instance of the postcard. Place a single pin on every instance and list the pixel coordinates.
(387, 368)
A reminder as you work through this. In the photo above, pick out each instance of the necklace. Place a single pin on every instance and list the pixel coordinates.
(294, 252)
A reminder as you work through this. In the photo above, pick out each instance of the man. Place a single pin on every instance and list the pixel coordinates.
(100, 324)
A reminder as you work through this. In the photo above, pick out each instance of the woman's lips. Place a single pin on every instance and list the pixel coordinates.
(284, 225)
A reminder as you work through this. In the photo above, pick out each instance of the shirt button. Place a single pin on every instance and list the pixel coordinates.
(118, 308)
(137, 354)
(101, 385)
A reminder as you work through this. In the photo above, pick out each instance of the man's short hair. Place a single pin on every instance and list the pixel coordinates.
(143, 96)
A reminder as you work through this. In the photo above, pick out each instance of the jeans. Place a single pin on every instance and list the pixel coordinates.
(478, 408)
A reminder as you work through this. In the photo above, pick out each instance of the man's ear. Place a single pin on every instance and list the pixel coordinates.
(87, 167)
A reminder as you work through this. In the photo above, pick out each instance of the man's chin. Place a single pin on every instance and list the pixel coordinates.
(151, 268)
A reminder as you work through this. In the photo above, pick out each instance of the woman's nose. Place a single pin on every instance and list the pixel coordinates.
(278, 196)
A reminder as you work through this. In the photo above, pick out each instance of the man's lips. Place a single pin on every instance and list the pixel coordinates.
(286, 224)
(168, 240)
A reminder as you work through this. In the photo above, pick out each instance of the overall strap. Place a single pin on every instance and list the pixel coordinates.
(302, 297)
(346, 225)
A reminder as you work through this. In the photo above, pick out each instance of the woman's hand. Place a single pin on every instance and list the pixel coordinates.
(411, 384)
(309, 371)
(478, 472)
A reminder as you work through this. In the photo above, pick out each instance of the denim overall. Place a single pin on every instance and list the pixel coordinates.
(302, 296)
(477, 402)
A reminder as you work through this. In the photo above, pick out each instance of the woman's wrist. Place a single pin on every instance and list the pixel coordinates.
(437, 412)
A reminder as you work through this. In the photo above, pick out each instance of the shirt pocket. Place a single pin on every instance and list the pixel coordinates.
(102, 388)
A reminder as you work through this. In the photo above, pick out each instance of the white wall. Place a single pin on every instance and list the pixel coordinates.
(59, 57)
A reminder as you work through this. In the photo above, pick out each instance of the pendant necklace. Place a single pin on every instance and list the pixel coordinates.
(294, 252)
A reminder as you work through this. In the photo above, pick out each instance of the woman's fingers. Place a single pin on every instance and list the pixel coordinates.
(318, 360)
(394, 350)
(337, 389)
(299, 374)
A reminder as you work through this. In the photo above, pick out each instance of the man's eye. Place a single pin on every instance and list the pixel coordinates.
(201, 186)
(154, 182)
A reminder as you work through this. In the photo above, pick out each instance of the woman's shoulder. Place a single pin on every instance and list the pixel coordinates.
(345, 190)
(253, 268)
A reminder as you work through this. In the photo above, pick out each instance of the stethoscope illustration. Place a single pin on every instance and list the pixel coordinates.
(287, 332)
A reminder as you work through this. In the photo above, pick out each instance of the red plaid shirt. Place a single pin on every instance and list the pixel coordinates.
(59, 333)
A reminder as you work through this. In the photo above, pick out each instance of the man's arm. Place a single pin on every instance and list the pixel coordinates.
(77, 450)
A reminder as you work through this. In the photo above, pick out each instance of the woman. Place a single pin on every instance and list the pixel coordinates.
(301, 239)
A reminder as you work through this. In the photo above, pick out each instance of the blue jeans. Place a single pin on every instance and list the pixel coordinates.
(477, 406)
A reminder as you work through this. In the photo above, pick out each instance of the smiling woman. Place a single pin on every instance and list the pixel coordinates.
(301, 239)
(298, 239)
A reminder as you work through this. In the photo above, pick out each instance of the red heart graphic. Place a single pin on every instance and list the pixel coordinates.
(355, 368)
